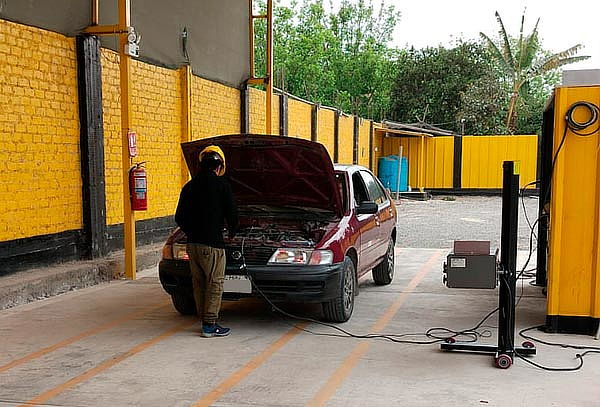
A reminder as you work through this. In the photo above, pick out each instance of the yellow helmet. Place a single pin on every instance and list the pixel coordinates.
(214, 149)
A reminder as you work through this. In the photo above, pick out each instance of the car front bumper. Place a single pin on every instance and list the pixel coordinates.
(278, 283)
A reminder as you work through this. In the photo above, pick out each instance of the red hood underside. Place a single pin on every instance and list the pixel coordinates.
(273, 170)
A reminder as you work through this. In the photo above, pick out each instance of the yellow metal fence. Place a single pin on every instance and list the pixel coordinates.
(480, 162)
(482, 158)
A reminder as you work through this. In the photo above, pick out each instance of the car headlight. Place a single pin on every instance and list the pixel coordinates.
(301, 256)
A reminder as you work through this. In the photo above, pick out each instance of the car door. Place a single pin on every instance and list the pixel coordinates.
(367, 227)
(384, 219)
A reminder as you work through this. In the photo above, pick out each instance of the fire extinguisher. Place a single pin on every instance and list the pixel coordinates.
(138, 187)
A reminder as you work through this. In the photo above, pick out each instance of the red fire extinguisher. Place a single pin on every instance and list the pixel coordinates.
(138, 187)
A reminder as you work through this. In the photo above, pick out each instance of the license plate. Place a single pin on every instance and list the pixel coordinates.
(237, 284)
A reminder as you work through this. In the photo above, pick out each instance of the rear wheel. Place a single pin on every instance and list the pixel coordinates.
(383, 274)
(340, 308)
(184, 303)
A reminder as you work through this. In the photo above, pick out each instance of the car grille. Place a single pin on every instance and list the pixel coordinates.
(254, 256)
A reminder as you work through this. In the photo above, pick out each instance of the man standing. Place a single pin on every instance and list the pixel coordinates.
(205, 203)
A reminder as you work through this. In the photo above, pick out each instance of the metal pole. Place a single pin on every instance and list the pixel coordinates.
(251, 36)
(125, 78)
(399, 170)
(186, 122)
(269, 75)
(95, 12)
(508, 258)
(421, 164)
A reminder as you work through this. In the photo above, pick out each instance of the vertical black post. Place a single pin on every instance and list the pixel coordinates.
(314, 122)
(545, 176)
(371, 147)
(91, 134)
(457, 168)
(336, 136)
(244, 109)
(355, 140)
(508, 259)
(283, 114)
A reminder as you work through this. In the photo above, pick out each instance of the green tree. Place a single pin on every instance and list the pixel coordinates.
(523, 60)
(337, 58)
(430, 82)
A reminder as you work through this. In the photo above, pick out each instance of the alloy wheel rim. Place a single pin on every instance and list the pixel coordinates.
(348, 289)
(390, 260)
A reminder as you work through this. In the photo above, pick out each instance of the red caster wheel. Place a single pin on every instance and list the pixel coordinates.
(450, 340)
(503, 361)
(528, 345)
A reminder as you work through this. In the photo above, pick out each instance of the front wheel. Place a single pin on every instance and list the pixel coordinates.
(383, 273)
(340, 308)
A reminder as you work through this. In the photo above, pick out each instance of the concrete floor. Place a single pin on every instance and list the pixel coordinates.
(122, 344)
(443, 219)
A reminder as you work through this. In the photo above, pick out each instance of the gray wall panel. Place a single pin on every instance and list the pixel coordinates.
(217, 30)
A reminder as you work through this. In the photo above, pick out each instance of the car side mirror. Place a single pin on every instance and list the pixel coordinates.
(367, 208)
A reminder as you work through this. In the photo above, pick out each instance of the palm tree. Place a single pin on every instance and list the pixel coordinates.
(521, 62)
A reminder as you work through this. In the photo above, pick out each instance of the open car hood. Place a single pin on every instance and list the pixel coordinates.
(273, 170)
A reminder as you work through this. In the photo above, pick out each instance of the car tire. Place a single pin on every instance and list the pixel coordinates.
(340, 308)
(184, 303)
(383, 273)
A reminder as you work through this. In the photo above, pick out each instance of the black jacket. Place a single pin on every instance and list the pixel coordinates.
(204, 204)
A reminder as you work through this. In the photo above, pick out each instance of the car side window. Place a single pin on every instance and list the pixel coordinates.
(360, 192)
(375, 191)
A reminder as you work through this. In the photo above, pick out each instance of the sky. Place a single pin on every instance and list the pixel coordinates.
(562, 23)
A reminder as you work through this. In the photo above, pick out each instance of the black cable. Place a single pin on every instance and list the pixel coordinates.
(435, 335)
(522, 193)
(558, 344)
(576, 128)
(588, 350)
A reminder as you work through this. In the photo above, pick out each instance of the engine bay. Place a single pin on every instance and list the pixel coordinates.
(276, 233)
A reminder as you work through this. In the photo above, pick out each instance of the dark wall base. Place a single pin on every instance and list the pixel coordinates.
(476, 191)
(39, 251)
(571, 325)
(146, 232)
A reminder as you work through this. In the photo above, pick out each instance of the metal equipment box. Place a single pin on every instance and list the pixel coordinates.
(568, 259)
(471, 265)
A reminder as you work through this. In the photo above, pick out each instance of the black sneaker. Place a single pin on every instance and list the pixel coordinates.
(210, 330)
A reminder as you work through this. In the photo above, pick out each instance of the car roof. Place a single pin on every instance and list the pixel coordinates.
(349, 168)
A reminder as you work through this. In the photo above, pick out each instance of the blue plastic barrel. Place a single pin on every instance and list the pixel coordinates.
(388, 172)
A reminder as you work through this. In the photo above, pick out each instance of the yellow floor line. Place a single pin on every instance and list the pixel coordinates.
(42, 398)
(338, 377)
(90, 332)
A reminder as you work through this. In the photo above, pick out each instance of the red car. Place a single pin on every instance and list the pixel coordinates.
(308, 229)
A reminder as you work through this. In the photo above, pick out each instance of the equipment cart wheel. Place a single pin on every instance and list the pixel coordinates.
(528, 345)
(503, 361)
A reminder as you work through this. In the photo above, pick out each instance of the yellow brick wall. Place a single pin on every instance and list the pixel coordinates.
(325, 129)
(346, 139)
(215, 109)
(40, 177)
(363, 143)
(299, 116)
(156, 117)
(258, 102)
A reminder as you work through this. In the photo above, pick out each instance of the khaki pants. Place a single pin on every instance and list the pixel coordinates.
(207, 265)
